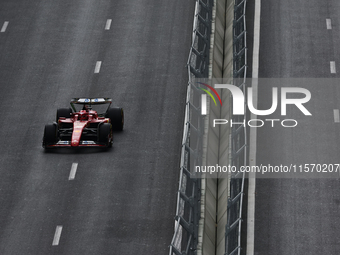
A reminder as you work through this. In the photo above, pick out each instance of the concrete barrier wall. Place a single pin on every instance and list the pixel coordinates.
(215, 191)
(207, 225)
(225, 130)
(217, 41)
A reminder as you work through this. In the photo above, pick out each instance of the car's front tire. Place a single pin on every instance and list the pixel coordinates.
(105, 134)
(50, 134)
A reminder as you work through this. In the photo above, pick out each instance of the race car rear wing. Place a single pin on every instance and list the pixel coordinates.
(90, 102)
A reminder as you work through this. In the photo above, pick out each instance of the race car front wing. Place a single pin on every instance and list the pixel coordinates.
(81, 144)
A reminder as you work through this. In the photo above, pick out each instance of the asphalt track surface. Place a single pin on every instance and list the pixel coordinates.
(122, 201)
(299, 216)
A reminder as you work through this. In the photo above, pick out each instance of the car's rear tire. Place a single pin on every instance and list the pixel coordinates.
(50, 134)
(64, 112)
(105, 134)
(116, 116)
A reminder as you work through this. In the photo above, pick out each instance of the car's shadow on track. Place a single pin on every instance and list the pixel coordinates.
(78, 150)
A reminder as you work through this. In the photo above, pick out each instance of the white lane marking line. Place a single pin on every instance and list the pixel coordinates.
(108, 24)
(4, 26)
(57, 235)
(97, 68)
(336, 115)
(332, 66)
(73, 171)
(329, 24)
(253, 133)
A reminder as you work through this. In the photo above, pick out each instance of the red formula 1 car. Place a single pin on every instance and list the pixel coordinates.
(84, 127)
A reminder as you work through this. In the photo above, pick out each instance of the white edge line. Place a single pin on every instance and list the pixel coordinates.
(332, 67)
(108, 24)
(57, 235)
(73, 171)
(336, 115)
(253, 134)
(97, 68)
(4, 26)
(329, 24)
(204, 104)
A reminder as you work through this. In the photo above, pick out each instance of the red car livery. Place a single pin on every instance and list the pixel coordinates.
(85, 127)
